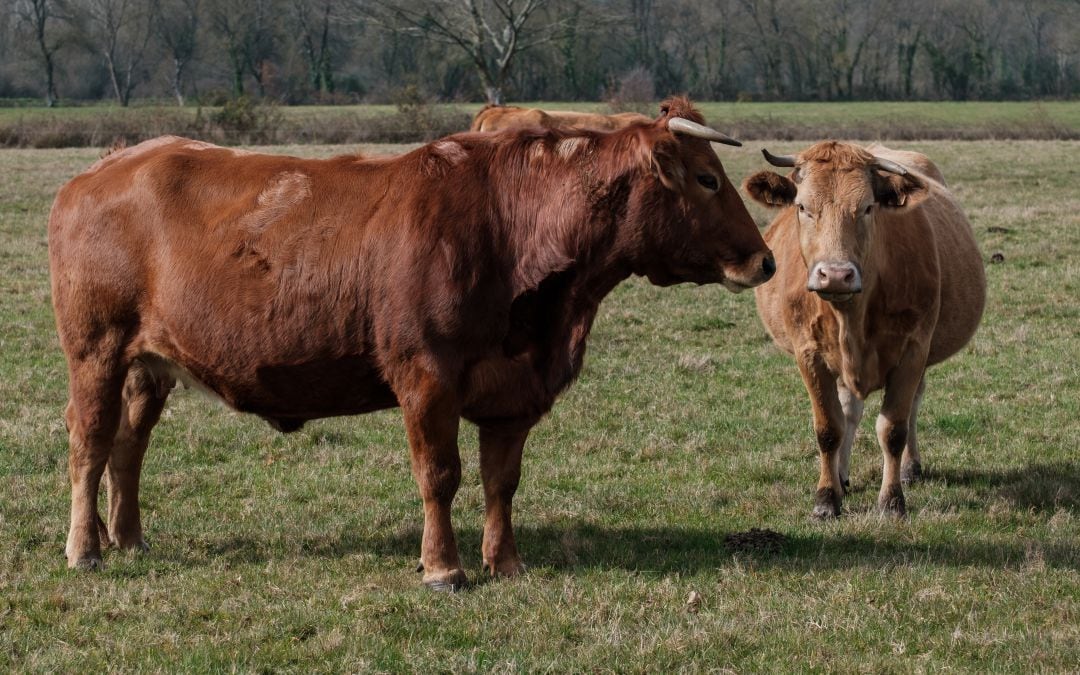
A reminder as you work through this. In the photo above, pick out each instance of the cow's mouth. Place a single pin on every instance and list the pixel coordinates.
(836, 298)
(733, 286)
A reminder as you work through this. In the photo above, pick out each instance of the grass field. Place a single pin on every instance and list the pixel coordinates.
(295, 553)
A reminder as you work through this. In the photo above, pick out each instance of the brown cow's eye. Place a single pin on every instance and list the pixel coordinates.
(708, 181)
(869, 208)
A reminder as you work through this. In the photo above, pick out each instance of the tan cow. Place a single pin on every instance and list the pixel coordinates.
(878, 277)
(499, 117)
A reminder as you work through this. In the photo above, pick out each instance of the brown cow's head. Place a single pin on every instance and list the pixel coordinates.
(836, 189)
(694, 225)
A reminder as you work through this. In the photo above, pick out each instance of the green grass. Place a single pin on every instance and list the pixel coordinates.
(295, 552)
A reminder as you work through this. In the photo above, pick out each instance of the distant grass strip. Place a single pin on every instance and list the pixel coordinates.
(94, 126)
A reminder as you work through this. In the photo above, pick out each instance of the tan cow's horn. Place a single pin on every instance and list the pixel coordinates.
(679, 125)
(890, 166)
(778, 160)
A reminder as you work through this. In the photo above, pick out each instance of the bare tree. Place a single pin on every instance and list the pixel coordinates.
(120, 30)
(41, 18)
(316, 20)
(248, 30)
(490, 32)
(177, 26)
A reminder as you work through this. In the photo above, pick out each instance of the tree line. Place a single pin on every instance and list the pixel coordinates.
(344, 51)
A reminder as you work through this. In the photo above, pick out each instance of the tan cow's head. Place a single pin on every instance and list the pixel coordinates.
(836, 190)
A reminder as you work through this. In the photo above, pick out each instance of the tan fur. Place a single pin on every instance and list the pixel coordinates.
(922, 299)
(497, 118)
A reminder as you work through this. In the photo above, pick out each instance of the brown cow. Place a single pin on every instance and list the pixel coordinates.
(879, 278)
(500, 117)
(459, 280)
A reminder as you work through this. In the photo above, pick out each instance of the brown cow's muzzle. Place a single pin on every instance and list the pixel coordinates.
(760, 268)
(835, 281)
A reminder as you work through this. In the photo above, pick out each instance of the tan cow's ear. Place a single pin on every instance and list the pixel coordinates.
(896, 192)
(770, 189)
(668, 167)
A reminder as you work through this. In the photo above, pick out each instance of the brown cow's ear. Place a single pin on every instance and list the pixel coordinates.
(667, 167)
(770, 189)
(895, 191)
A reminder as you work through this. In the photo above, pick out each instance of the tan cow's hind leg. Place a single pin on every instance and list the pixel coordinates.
(911, 466)
(500, 467)
(829, 429)
(892, 430)
(431, 420)
(853, 412)
(92, 417)
(144, 398)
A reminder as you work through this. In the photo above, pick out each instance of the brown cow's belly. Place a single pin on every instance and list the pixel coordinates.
(289, 395)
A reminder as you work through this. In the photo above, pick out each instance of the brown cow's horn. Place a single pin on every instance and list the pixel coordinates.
(778, 160)
(890, 166)
(679, 125)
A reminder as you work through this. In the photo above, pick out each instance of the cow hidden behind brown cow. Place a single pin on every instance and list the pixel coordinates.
(501, 117)
(879, 277)
(459, 280)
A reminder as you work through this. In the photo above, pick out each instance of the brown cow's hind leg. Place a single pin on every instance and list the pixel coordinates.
(92, 416)
(144, 398)
(431, 419)
(500, 467)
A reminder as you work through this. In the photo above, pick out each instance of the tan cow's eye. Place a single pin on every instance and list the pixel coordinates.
(869, 208)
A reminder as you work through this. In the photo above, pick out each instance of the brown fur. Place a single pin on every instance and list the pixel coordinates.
(458, 280)
(498, 118)
(922, 299)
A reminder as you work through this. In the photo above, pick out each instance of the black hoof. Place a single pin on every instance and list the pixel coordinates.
(419, 567)
(910, 472)
(826, 504)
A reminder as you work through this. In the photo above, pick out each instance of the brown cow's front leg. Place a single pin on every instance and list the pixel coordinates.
(431, 419)
(901, 387)
(500, 467)
(829, 428)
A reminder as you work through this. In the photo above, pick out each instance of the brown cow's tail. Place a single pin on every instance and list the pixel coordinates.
(117, 145)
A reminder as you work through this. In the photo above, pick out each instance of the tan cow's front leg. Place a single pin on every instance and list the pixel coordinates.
(901, 387)
(853, 411)
(829, 428)
(500, 467)
(431, 419)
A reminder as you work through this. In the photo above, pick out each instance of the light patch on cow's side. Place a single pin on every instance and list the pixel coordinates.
(567, 147)
(284, 192)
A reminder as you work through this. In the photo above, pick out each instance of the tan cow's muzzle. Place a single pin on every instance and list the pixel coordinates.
(835, 281)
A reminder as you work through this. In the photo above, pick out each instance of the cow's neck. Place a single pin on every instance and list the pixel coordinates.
(568, 253)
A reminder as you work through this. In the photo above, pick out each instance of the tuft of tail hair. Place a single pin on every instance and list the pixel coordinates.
(117, 145)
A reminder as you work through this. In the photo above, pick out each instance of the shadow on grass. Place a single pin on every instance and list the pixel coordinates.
(1043, 487)
(576, 546)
